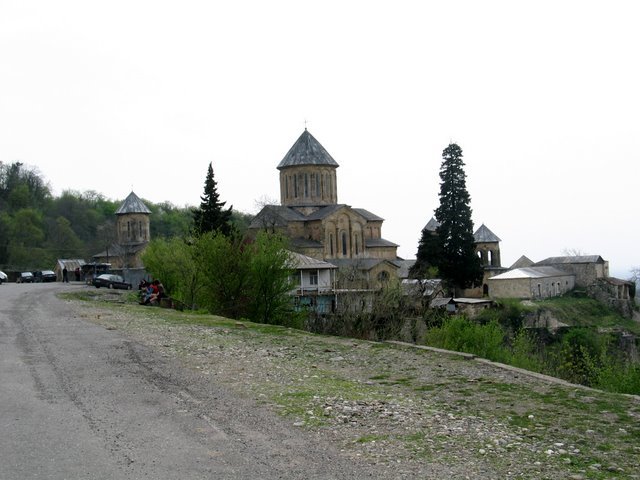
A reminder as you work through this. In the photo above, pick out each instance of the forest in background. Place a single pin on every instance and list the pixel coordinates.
(37, 228)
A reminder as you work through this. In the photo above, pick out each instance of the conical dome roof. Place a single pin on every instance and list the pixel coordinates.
(307, 151)
(132, 204)
(484, 235)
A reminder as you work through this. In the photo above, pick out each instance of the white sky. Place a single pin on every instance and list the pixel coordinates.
(543, 97)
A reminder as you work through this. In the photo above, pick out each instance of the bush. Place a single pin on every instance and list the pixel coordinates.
(460, 334)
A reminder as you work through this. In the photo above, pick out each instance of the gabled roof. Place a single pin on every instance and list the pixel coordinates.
(363, 264)
(531, 272)
(276, 216)
(303, 262)
(371, 217)
(307, 151)
(117, 250)
(305, 243)
(484, 235)
(132, 204)
(70, 263)
(523, 261)
(571, 259)
(405, 266)
(432, 225)
(378, 242)
(325, 211)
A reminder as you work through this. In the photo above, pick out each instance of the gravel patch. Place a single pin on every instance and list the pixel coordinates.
(410, 413)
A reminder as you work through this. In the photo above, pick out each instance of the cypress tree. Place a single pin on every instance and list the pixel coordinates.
(428, 256)
(459, 266)
(211, 216)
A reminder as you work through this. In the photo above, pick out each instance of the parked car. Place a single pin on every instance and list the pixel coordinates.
(45, 276)
(25, 277)
(110, 280)
(3, 277)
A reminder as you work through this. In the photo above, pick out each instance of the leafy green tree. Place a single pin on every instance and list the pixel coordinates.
(459, 265)
(226, 284)
(173, 262)
(270, 280)
(62, 241)
(22, 187)
(169, 220)
(211, 216)
(26, 237)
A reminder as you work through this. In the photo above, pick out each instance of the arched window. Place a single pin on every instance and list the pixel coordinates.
(331, 244)
(355, 241)
(306, 185)
(295, 186)
(383, 276)
(344, 243)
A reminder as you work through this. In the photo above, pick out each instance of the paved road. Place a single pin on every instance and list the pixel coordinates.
(78, 401)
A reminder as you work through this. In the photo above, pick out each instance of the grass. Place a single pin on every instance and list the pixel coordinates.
(587, 312)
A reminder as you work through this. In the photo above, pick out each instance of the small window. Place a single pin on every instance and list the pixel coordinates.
(344, 243)
(383, 276)
(313, 278)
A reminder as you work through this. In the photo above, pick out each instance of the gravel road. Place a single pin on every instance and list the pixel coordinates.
(80, 401)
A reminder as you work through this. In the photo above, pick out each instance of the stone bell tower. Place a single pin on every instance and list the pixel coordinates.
(132, 222)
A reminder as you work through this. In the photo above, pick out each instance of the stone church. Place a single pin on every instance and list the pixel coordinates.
(132, 235)
(319, 227)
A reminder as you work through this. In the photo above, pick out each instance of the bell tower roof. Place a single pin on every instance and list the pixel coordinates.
(307, 151)
(132, 204)
(484, 235)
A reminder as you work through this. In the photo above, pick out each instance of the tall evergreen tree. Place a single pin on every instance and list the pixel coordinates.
(211, 216)
(428, 256)
(459, 265)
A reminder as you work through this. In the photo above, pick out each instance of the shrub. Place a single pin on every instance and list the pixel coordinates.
(460, 334)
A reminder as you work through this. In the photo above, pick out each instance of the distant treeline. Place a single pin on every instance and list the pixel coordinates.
(37, 228)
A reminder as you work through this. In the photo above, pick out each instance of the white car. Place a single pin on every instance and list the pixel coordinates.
(3, 277)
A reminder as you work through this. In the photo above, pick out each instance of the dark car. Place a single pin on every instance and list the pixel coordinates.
(25, 277)
(45, 276)
(110, 280)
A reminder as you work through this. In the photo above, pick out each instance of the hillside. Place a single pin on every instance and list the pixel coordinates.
(411, 412)
(578, 311)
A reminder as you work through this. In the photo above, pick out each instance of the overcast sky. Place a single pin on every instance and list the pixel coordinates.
(543, 98)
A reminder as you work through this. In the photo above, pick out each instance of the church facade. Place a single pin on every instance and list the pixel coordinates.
(318, 226)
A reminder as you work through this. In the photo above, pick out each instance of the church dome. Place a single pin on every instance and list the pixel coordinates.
(307, 151)
(132, 204)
